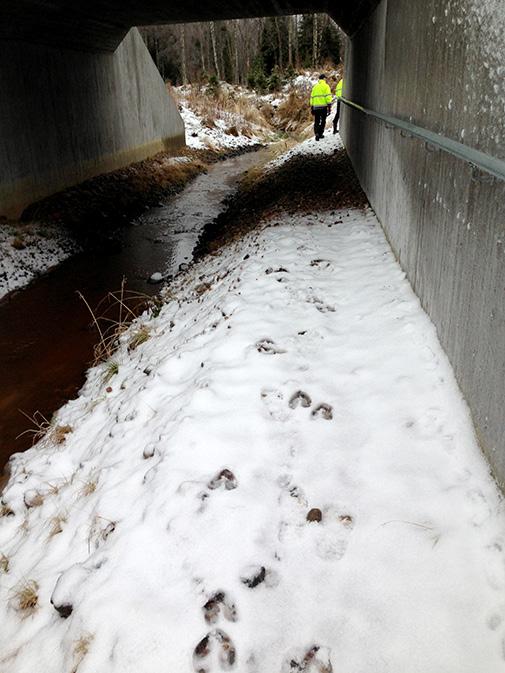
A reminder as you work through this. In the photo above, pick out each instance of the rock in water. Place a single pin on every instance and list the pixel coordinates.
(156, 277)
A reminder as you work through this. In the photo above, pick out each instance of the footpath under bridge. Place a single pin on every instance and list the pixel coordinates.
(424, 127)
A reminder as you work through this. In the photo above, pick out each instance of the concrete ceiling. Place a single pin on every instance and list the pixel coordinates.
(100, 25)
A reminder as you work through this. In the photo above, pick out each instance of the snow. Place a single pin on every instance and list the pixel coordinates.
(44, 246)
(310, 147)
(293, 370)
(199, 136)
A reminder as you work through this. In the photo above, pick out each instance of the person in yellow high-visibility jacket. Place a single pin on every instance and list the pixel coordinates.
(320, 105)
(338, 95)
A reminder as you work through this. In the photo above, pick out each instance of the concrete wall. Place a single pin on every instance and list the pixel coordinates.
(441, 64)
(66, 116)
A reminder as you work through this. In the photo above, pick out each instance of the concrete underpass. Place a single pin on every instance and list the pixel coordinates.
(423, 126)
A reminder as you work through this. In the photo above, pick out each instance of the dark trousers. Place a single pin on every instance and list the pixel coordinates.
(336, 117)
(320, 114)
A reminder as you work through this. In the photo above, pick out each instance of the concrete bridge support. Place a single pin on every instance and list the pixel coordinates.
(66, 116)
(441, 66)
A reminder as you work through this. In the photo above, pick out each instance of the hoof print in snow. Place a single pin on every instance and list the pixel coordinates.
(280, 269)
(253, 576)
(323, 411)
(204, 651)
(346, 520)
(314, 515)
(268, 346)
(314, 660)
(321, 263)
(226, 478)
(320, 305)
(64, 610)
(217, 603)
(296, 492)
(300, 399)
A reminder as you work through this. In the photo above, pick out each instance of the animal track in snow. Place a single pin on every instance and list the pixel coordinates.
(274, 403)
(224, 478)
(321, 263)
(279, 269)
(254, 575)
(315, 659)
(321, 306)
(217, 603)
(268, 346)
(216, 649)
(299, 399)
(322, 410)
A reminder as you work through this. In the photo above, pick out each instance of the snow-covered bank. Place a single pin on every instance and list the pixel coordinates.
(282, 477)
(29, 250)
(226, 132)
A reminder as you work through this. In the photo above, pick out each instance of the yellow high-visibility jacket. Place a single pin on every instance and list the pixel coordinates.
(321, 94)
(339, 89)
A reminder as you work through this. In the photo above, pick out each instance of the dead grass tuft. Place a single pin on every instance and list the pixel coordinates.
(34, 498)
(57, 524)
(26, 597)
(293, 114)
(89, 487)
(40, 427)
(140, 336)
(113, 316)
(81, 649)
(5, 510)
(4, 563)
(111, 370)
(60, 432)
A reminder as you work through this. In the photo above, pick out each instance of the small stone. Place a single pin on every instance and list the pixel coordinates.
(155, 278)
(64, 610)
(149, 451)
(315, 514)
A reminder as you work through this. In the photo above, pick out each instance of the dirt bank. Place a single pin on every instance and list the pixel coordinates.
(107, 201)
(304, 183)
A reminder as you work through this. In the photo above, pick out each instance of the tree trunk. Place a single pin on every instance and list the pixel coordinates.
(314, 41)
(290, 41)
(202, 49)
(236, 40)
(184, 68)
(214, 49)
(297, 52)
(279, 41)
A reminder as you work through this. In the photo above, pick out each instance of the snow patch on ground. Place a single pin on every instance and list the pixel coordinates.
(27, 251)
(282, 477)
(327, 146)
(201, 136)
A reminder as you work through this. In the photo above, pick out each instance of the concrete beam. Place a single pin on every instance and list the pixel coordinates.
(100, 25)
(69, 116)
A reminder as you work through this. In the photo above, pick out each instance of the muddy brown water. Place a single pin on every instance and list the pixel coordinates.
(46, 341)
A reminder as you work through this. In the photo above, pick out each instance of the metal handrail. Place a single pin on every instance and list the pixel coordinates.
(474, 157)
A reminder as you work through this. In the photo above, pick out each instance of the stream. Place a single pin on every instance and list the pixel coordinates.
(46, 343)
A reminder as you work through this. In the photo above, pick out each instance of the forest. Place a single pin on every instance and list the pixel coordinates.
(257, 53)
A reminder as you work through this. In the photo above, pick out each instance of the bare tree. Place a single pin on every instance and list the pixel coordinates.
(314, 42)
(184, 64)
(214, 49)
